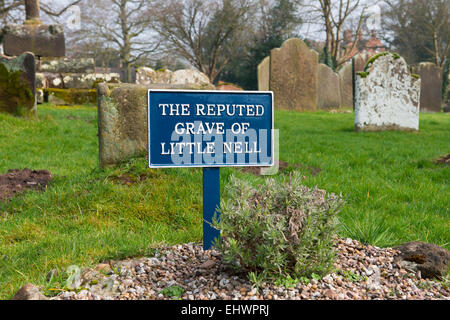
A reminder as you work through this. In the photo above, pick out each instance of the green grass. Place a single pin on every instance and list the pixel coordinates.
(395, 193)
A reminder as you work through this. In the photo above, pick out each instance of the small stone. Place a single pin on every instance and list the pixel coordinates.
(104, 268)
(52, 274)
(207, 264)
(29, 292)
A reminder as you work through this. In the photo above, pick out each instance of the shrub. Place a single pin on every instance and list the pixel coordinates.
(279, 228)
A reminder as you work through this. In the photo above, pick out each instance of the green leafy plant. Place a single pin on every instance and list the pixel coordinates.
(287, 282)
(353, 277)
(281, 227)
(174, 292)
(369, 231)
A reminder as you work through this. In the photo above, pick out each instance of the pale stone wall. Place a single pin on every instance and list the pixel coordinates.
(294, 76)
(328, 93)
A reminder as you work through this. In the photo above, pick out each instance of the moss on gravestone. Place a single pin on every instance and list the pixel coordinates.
(73, 96)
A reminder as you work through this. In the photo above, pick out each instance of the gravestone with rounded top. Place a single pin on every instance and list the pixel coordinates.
(294, 76)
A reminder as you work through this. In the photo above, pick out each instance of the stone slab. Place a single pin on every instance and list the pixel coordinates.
(122, 119)
(346, 85)
(42, 40)
(264, 74)
(294, 76)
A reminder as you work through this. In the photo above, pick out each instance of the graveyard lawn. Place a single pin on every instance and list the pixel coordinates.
(395, 190)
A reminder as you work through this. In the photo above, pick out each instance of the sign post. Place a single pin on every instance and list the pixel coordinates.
(210, 129)
(211, 202)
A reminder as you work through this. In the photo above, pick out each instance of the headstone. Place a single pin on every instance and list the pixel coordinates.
(18, 85)
(387, 96)
(329, 93)
(42, 40)
(82, 65)
(294, 76)
(122, 119)
(264, 74)
(346, 85)
(431, 87)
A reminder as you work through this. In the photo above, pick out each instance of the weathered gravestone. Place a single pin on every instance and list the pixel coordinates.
(18, 85)
(329, 93)
(33, 36)
(264, 74)
(387, 96)
(431, 87)
(346, 85)
(122, 119)
(294, 76)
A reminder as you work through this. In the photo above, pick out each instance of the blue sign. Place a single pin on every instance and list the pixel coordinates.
(210, 128)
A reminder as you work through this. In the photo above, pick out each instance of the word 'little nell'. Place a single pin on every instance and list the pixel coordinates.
(241, 110)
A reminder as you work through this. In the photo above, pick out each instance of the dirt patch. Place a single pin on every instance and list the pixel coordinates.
(284, 168)
(444, 160)
(127, 179)
(17, 181)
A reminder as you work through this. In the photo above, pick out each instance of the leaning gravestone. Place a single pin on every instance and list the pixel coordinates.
(431, 87)
(329, 93)
(294, 76)
(387, 96)
(264, 74)
(18, 85)
(122, 119)
(346, 85)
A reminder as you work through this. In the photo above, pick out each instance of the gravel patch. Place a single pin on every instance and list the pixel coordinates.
(188, 272)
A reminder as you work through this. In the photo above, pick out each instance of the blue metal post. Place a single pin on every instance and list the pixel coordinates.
(211, 202)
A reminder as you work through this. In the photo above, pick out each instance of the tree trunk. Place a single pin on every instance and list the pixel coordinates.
(32, 10)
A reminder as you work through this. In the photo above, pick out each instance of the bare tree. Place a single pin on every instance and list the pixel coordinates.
(428, 21)
(207, 33)
(123, 25)
(333, 16)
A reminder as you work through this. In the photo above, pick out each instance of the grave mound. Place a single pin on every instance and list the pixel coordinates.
(18, 181)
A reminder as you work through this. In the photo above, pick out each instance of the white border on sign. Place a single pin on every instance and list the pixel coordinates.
(217, 92)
